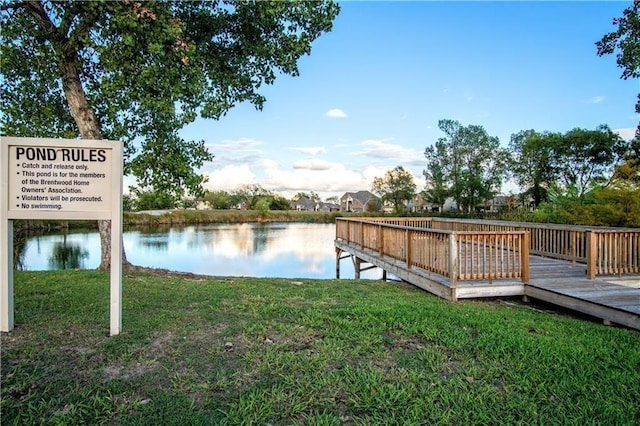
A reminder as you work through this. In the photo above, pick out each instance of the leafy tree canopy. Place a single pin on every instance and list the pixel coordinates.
(588, 157)
(153, 200)
(471, 162)
(139, 71)
(308, 195)
(220, 199)
(396, 187)
(436, 190)
(534, 164)
(628, 173)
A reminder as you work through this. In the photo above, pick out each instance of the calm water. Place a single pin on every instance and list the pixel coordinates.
(288, 250)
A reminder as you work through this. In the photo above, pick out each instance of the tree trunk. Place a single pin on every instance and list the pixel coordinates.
(82, 113)
(87, 122)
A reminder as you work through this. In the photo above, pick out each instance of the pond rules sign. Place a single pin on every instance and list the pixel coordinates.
(59, 179)
(45, 179)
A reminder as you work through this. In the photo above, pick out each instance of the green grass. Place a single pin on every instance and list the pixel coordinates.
(312, 352)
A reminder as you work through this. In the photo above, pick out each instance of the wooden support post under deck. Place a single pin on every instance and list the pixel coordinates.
(338, 252)
(356, 266)
(384, 275)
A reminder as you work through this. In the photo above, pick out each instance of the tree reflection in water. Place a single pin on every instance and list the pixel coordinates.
(19, 244)
(67, 255)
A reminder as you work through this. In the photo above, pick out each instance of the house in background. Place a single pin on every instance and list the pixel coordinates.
(418, 204)
(328, 207)
(448, 207)
(305, 204)
(503, 202)
(361, 201)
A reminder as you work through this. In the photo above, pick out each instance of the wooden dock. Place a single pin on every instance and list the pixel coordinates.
(615, 299)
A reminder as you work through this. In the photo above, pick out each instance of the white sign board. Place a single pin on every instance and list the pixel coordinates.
(59, 179)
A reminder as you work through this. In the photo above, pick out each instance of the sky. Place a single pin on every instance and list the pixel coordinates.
(371, 93)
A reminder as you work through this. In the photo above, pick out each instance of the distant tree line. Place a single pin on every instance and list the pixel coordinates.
(245, 197)
(581, 176)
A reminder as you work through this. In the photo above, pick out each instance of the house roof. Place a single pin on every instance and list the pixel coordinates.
(362, 196)
(305, 203)
(499, 200)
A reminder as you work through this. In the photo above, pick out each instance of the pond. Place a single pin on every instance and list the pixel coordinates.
(287, 250)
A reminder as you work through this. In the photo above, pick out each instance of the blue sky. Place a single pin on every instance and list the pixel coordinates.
(371, 93)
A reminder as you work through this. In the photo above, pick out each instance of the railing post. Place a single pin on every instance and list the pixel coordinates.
(592, 254)
(380, 240)
(524, 257)
(453, 259)
(408, 249)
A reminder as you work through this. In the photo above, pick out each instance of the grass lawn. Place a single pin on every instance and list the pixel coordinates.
(198, 350)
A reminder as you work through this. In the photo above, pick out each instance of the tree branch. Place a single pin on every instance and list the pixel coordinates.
(36, 9)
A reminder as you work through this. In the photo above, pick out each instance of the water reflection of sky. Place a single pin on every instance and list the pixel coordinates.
(256, 250)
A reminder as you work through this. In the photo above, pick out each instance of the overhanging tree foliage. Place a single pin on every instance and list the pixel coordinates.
(140, 71)
(625, 42)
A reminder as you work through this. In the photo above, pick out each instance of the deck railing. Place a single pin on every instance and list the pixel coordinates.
(465, 255)
(613, 252)
(605, 251)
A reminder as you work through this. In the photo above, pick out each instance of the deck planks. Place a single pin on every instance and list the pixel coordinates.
(597, 297)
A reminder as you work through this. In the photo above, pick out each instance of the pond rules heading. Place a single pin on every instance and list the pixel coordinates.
(59, 179)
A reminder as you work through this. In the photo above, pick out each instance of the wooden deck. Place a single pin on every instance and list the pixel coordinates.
(613, 299)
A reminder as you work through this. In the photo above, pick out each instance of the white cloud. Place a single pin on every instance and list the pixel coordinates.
(334, 180)
(626, 133)
(313, 164)
(382, 150)
(596, 99)
(239, 151)
(312, 150)
(331, 178)
(229, 178)
(327, 178)
(269, 164)
(336, 113)
(242, 144)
